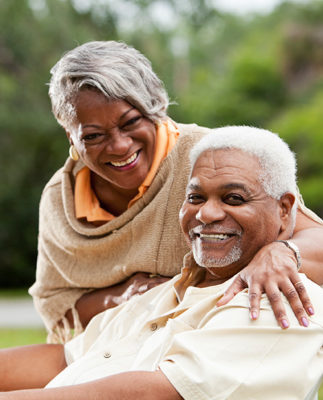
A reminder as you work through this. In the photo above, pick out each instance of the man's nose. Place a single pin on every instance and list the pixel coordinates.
(118, 144)
(210, 211)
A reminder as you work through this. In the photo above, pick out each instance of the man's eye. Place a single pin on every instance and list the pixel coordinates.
(194, 198)
(234, 199)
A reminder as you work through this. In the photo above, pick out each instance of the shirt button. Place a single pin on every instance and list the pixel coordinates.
(107, 355)
(153, 326)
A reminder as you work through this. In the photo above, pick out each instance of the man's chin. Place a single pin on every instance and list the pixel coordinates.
(215, 263)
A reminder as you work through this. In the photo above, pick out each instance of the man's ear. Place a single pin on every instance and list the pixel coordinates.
(286, 203)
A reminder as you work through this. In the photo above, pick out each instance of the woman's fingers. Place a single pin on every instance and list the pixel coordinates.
(303, 296)
(275, 298)
(236, 286)
(297, 297)
(255, 292)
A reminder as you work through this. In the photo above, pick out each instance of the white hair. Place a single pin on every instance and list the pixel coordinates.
(277, 161)
(115, 69)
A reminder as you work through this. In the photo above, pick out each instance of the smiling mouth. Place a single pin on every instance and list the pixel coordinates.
(215, 236)
(126, 162)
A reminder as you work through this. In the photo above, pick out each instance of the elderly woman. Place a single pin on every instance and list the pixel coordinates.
(108, 219)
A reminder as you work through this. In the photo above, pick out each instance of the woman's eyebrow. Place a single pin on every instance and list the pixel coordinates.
(98, 127)
(126, 112)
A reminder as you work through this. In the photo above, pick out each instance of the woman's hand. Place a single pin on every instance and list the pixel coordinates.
(99, 300)
(273, 271)
(137, 284)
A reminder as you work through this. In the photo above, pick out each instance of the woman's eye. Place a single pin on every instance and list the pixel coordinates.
(92, 138)
(132, 121)
(234, 199)
(194, 198)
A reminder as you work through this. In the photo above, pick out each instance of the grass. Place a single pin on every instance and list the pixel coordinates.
(14, 293)
(19, 337)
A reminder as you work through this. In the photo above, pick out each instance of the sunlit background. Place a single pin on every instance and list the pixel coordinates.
(223, 62)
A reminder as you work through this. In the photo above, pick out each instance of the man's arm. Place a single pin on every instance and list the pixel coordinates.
(30, 366)
(126, 386)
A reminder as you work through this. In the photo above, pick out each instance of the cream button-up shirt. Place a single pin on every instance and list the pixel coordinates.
(206, 352)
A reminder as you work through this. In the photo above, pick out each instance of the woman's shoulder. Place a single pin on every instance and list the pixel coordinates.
(192, 132)
(189, 135)
(70, 168)
(62, 181)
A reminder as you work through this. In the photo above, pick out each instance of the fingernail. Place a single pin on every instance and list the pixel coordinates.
(254, 315)
(311, 311)
(304, 322)
(285, 323)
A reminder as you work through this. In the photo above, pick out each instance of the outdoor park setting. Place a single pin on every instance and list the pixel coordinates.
(219, 67)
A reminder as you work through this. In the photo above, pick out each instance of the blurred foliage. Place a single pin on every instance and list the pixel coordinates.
(21, 337)
(218, 69)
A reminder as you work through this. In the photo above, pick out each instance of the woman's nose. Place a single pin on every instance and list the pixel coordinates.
(209, 212)
(118, 144)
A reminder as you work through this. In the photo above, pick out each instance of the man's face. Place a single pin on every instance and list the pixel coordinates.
(227, 216)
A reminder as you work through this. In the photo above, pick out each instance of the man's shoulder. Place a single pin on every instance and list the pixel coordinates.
(315, 293)
(237, 311)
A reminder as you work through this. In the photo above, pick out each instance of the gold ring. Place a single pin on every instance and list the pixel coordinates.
(153, 275)
(298, 283)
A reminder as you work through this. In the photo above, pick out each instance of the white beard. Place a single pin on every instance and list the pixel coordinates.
(210, 262)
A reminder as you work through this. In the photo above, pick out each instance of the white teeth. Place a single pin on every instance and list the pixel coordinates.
(219, 236)
(123, 163)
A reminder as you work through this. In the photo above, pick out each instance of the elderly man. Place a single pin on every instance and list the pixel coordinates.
(174, 342)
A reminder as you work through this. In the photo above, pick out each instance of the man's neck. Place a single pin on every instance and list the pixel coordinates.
(211, 280)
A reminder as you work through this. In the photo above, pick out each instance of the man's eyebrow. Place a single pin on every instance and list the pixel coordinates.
(235, 185)
(193, 186)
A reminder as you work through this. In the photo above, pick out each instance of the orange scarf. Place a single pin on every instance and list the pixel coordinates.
(87, 204)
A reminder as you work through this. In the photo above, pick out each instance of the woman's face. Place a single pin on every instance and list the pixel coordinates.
(113, 139)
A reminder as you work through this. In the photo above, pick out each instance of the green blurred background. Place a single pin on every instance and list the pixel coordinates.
(219, 68)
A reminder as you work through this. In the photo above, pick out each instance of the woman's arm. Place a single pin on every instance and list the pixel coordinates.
(273, 270)
(99, 300)
(126, 386)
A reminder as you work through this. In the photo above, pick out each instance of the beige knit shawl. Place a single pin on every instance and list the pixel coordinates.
(75, 257)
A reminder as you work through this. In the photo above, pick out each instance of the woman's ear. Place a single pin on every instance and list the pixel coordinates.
(69, 137)
(286, 203)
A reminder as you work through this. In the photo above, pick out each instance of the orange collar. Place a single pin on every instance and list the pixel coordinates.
(87, 204)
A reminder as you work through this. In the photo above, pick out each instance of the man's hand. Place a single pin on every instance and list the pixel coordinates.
(273, 271)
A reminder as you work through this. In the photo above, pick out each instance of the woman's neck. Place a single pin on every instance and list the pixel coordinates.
(112, 198)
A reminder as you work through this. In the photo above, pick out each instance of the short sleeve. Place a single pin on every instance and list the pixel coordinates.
(231, 357)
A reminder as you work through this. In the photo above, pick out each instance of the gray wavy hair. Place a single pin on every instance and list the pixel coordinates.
(277, 161)
(115, 69)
